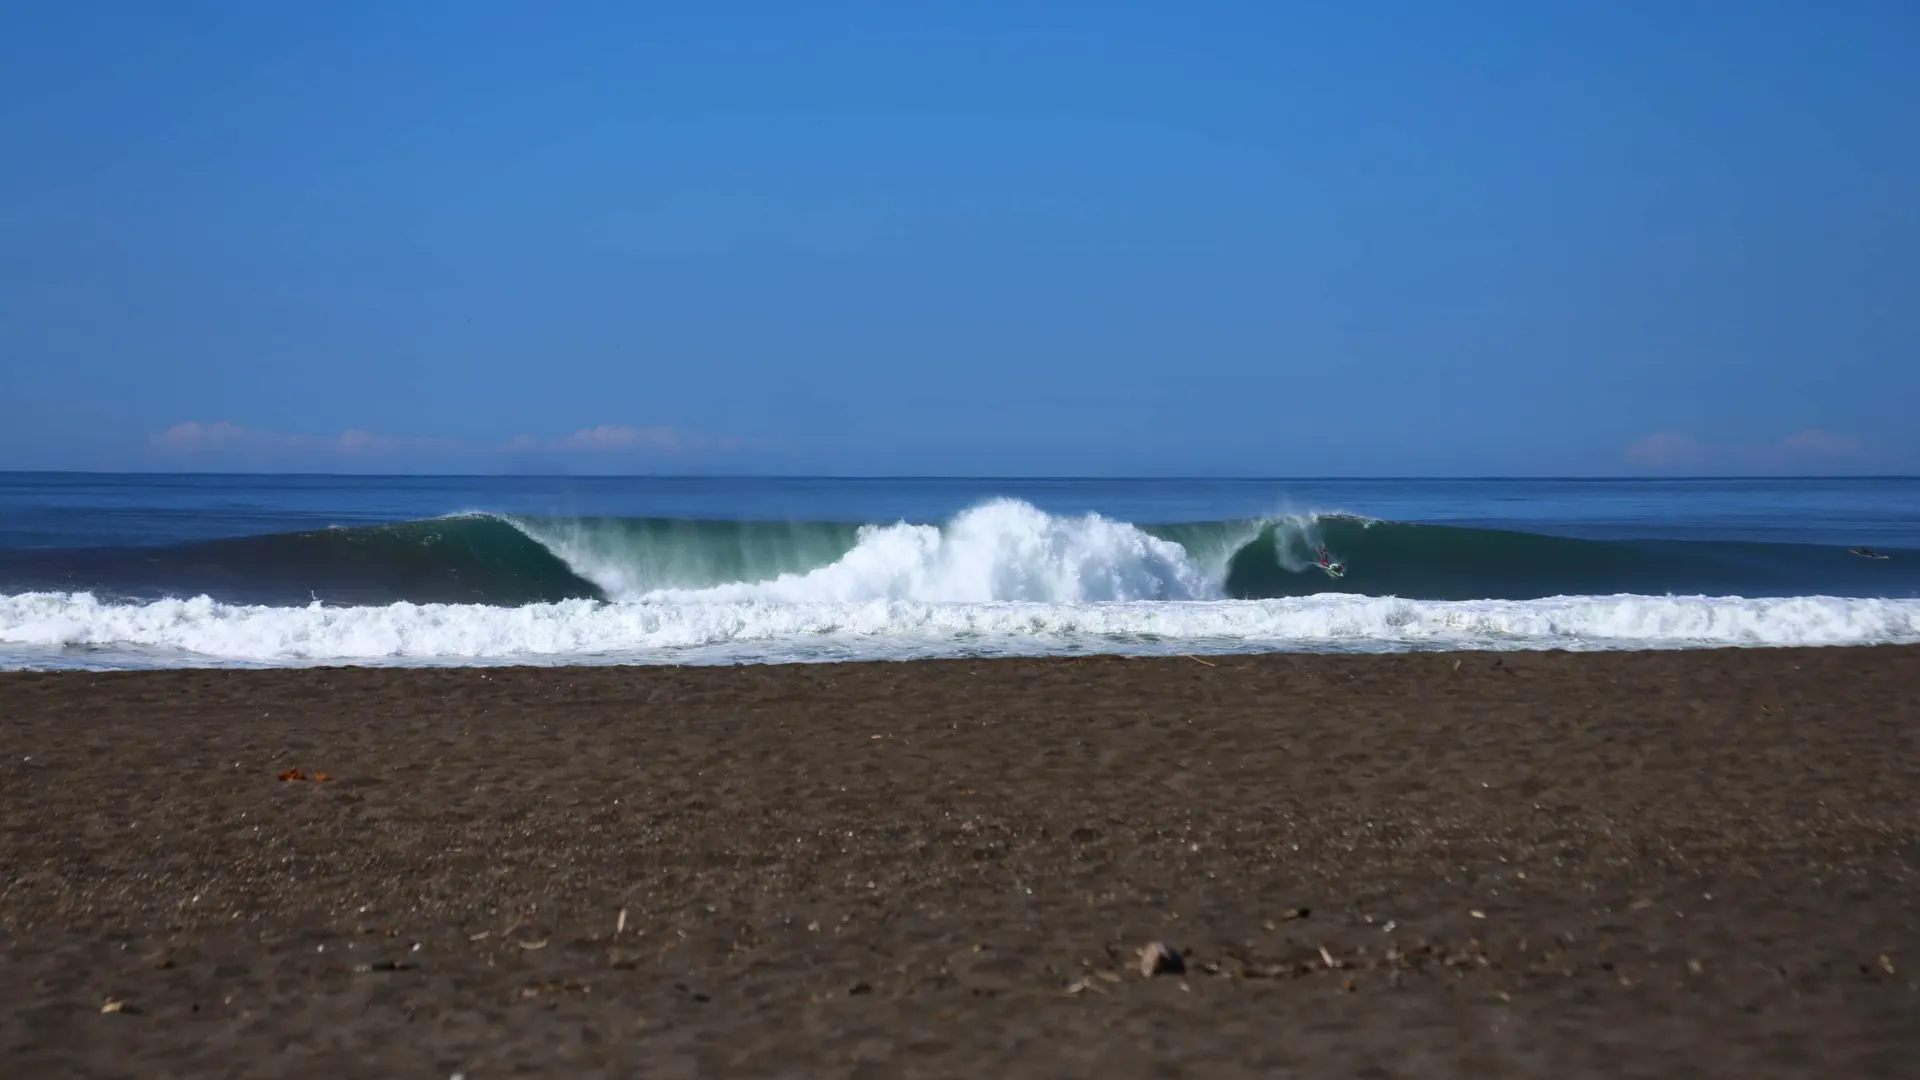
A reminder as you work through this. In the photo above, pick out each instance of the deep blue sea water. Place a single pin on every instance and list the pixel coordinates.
(146, 570)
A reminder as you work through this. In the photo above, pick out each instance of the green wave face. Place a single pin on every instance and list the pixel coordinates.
(456, 560)
(633, 556)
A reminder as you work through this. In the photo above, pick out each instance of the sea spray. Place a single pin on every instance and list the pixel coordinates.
(1000, 551)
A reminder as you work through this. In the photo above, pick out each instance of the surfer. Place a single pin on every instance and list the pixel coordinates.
(1863, 552)
(1334, 567)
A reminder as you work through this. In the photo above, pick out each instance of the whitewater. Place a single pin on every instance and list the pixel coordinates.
(1001, 579)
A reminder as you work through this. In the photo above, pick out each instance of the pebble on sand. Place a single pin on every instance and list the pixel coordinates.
(1157, 959)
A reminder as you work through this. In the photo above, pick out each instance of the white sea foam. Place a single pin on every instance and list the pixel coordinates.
(61, 629)
(1000, 551)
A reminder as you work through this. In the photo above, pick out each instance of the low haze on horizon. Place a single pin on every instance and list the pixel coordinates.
(1394, 239)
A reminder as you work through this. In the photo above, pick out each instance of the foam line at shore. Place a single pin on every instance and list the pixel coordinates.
(64, 629)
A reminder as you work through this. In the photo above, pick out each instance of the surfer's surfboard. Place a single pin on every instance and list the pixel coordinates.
(1333, 569)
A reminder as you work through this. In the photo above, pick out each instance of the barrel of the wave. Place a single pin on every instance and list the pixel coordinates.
(1435, 562)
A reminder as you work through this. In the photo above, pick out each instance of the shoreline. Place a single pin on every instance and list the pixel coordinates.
(599, 663)
(1509, 863)
(60, 631)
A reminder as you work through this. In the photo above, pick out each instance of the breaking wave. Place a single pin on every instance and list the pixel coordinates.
(1001, 578)
(999, 551)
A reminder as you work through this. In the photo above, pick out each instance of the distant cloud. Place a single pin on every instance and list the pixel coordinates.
(227, 443)
(1663, 448)
(193, 435)
(621, 437)
(1803, 450)
(1813, 441)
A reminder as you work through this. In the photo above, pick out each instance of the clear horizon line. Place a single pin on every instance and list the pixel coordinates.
(1008, 477)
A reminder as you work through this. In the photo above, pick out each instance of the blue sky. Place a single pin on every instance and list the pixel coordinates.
(998, 238)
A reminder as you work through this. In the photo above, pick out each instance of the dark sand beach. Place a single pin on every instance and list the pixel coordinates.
(1695, 864)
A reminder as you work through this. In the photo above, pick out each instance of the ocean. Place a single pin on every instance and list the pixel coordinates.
(143, 571)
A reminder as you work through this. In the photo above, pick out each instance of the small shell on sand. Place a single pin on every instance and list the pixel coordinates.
(1157, 959)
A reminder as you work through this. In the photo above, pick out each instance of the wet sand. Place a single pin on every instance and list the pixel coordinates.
(1680, 864)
